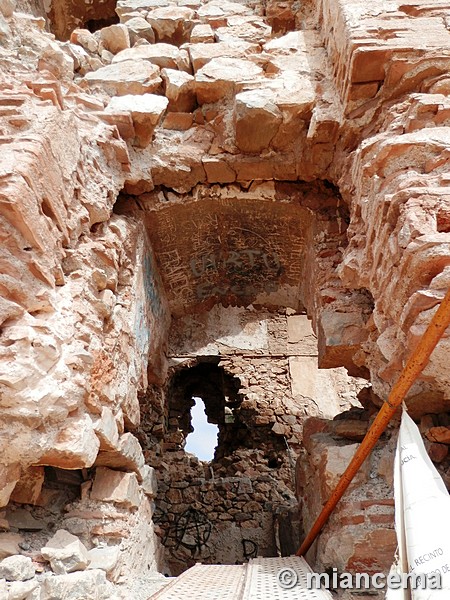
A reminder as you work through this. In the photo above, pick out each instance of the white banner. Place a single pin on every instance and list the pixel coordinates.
(422, 516)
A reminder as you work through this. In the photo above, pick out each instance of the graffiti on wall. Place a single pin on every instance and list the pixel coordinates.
(241, 273)
(191, 529)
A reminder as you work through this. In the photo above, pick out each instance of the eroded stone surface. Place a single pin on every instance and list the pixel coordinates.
(264, 103)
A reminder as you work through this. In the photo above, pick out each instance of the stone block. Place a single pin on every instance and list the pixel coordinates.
(75, 586)
(220, 77)
(85, 39)
(146, 112)
(106, 429)
(340, 336)
(23, 590)
(150, 482)
(104, 558)
(202, 34)
(213, 11)
(218, 170)
(351, 429)
(9, 476)
(128, 456)
(164, 56)
(256, 120)
(17, 568)
(116, 486)
(76, 445)
(249, 29)
(178, 121)
(65, 553)
(140, 28)
(55, 60)
(29, 486)
(201, 54)
(137, 6)
(127, 77)
(130, 404)
(9, 544)
(115, 38)
(179, 88)
(172, 24)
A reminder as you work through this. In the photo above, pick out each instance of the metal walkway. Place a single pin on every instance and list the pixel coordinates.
(257, 580)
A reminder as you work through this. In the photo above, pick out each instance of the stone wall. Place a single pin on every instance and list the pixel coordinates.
(268, 156)
(264, 381)
(360, 535)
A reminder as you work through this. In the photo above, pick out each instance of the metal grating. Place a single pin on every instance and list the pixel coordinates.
(206, 582)
(262, 580)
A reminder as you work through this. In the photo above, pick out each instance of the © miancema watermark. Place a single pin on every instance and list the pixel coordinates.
(289, 579)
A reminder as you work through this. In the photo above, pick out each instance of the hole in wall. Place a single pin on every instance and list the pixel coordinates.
(202, 398)
(202, 441)
(96, 24)
(66, 16)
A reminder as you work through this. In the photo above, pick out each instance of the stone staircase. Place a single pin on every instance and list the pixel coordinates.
(257, 580)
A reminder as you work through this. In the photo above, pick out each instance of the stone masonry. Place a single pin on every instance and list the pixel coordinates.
(242, 199)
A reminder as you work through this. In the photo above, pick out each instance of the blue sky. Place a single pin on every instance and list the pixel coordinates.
(203, 440)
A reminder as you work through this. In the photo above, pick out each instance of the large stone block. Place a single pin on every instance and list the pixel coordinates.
(139, 28)
(163, 55)
(116, 486)
(201, 54)
(128, 456)
(127, 77)
(17, 568)
(179, 88)
(172, 24)
(256, 120)
(75, 447)
(65, 553)
(146, 112)
(77, 586)
(29, 486)
(106, 429)
(221, 77)
(115, 38)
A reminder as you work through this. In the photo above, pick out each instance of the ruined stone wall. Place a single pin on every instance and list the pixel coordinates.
(243, 502)
(323, 129)
(360, 535)
(79, 321)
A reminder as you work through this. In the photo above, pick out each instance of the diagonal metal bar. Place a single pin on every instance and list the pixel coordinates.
(414, 366)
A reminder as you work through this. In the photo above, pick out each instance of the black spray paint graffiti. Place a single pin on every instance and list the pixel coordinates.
(251, 262)
(250, 549)
(191, 529)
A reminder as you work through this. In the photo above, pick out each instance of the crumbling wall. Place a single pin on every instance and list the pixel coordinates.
(329, 142)
(264, 366)
(359, 536)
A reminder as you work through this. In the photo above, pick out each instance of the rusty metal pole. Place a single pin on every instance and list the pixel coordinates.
(414, 366)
